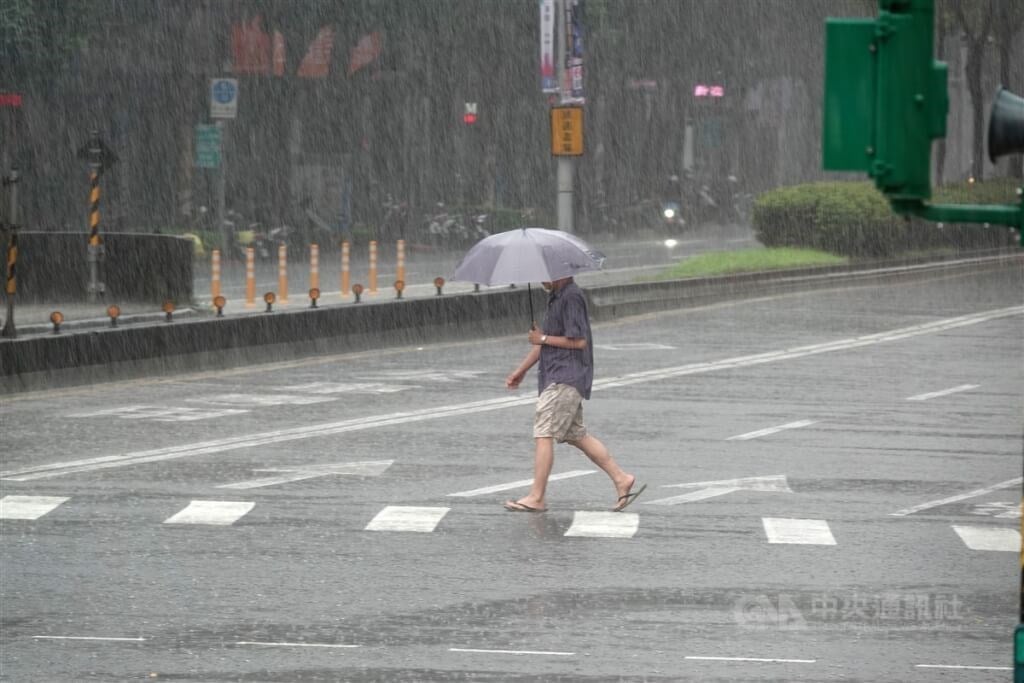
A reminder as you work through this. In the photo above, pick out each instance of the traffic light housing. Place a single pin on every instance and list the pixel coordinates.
(886, 101)
(885, 97)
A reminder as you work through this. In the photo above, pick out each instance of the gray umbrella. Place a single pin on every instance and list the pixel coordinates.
(527, 255)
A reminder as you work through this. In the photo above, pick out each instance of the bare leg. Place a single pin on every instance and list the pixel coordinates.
(594, 449)
(543, 459)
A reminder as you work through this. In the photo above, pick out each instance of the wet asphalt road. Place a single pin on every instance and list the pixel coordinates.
(833, 495)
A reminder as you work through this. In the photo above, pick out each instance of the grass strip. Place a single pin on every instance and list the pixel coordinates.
(749, 260)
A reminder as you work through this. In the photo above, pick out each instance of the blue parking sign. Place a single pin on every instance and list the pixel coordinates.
(223, 98)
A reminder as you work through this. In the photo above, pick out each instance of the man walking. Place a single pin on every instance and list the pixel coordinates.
(563, 346)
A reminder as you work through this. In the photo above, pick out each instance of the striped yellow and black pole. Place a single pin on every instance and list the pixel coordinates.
(99, 159)
(11, 285)
(12, 265)
(94, 209)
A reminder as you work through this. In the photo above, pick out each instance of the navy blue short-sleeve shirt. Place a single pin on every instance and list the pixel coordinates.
(567, 317)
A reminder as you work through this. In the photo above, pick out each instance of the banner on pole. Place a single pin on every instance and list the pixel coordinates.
(573, 86)
(548, 80)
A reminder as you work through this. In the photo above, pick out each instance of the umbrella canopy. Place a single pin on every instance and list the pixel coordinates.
(527, 255)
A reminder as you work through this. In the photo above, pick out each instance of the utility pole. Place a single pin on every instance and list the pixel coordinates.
(566, 164)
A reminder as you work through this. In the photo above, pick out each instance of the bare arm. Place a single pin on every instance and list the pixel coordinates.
(514, 379)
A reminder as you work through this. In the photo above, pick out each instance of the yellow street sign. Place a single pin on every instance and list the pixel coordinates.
(567, 131)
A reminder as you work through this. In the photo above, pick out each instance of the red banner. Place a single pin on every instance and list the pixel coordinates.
(317, 62)
(250, 47)
(366, 51)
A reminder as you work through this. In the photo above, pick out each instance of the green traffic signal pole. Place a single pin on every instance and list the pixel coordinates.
(993, 214)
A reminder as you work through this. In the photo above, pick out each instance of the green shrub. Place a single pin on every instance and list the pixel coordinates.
(854, 219)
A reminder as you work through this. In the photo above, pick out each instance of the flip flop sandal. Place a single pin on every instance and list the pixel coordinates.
(513, 506)
(626, 499)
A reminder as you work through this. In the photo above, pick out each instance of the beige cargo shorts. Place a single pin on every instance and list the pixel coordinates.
(559, 414)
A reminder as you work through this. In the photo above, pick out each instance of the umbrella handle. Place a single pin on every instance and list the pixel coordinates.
(529, 294)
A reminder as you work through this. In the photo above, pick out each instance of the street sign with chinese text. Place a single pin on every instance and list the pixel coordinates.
(567, 131)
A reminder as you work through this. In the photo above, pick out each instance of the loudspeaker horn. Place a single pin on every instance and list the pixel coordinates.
(1006, 125)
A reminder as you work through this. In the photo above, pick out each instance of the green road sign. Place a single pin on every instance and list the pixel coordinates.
(207, 146)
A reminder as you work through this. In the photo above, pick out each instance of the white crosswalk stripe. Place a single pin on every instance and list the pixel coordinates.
(989, 537)
(212, 512)
(799, 531)
(407, 518)
(604, 524)
(28, 507)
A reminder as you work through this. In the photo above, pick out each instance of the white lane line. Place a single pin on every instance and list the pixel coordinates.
(772, 430)
(754, 659)
(801, 531)
(374, 422)
(264, 400)
(944, 392)
(213, 512)
(604, 524)
(512, 652)
(518, 484)
(989, 538)
(370, 468)
(407, 518)
(265, 644)
(957, 498)
(963, 666)
(28, 507)
(116, 640)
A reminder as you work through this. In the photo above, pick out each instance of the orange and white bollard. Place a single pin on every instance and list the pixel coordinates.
(314, 266)
(345, 275)
(250, 277)
(400, 260)
(215, 274)
(373, 267)
(282, 273)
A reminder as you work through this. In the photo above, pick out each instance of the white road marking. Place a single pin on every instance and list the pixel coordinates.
(512, 652)
(444, 376)
(944, 392)
(962, 666)
(359, 469)
(263, 644)
(518, 484)
(116, 640)
(989, 538)
(772, 430)
(800, 531)
(342, 388)
(162, 414)
(213, 512)
(999, 510)
(954, 499)
(28, 507)
(604, 524)
(633, 347)
(407, 518)
(261, 399)
(754, 659)
(711, 489)
(373, 422)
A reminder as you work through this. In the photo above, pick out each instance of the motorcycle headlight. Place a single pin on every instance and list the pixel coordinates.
(669, 212)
